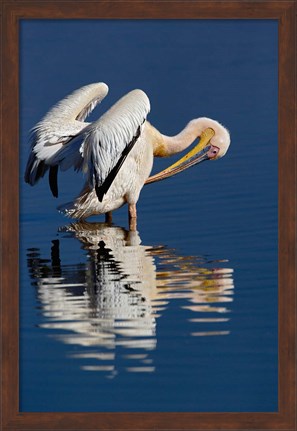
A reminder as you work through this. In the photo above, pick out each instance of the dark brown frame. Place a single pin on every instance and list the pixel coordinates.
(12, 12)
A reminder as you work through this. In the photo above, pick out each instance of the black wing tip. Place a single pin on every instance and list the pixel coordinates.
(100, 192)
(53, 180)
(35, 170)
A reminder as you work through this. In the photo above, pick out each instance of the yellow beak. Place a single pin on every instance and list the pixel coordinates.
(194, 156)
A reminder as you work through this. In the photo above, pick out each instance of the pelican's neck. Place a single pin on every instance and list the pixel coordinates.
(168, 145)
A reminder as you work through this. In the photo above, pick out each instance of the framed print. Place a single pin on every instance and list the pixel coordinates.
(149, 306)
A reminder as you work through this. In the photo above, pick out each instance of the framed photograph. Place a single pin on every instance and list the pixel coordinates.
(172, 305)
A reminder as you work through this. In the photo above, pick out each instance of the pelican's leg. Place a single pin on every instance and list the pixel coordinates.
(132, 216)
(108, 217)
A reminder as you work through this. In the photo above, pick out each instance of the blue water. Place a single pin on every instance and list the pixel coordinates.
(181, 315)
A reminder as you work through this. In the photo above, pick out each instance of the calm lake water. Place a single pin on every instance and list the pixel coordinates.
(182, 314)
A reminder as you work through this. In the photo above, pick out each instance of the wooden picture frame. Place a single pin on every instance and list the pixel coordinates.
(15, 10)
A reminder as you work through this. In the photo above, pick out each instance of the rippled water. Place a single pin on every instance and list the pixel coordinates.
(117, 296)
(182, 314)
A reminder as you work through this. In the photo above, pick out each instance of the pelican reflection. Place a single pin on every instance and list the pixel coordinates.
(108, 303)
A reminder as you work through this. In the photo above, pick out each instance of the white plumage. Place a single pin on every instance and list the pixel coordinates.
(115, 152)
(62, 123)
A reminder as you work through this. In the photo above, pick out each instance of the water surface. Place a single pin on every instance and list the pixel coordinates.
(182, 314)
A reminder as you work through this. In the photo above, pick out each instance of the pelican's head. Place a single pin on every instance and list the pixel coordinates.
(214, 140)
(219, 142)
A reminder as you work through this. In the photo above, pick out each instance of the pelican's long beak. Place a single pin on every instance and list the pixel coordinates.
(196, 155)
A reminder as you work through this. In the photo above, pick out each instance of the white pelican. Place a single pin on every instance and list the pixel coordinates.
(115, 152)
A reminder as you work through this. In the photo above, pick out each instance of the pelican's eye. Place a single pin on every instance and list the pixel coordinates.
(213, 152)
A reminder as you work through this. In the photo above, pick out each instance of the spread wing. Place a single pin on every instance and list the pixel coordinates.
(106, 143)
(110, 139)
(58, 129)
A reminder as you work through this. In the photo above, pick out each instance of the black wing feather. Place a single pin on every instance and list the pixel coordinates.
(103, 189)
(53, 180)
